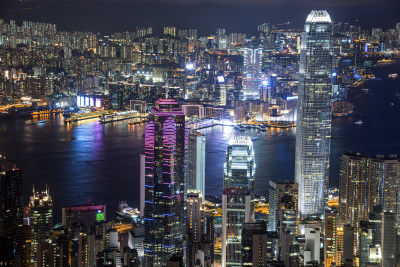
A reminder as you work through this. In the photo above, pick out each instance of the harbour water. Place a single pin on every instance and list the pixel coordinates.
(101, 161)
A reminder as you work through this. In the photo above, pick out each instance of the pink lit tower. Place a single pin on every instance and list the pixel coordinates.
(163, 183)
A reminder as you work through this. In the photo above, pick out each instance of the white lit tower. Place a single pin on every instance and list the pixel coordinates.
(252, 72)
(314, 114)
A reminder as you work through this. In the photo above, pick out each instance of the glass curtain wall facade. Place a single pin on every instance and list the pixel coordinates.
(165, 171)
(252, 72)
(314, 114)
(240, 165)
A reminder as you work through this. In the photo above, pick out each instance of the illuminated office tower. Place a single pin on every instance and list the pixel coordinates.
(314, 114)
(170, 31)
(255, 239)
(359, 52)
(165, 164)
(278, 190)
(252, 72)
(339, 245)
(11, 207)
(312, 250)
(197, 162)
(54, 250)
(330, 236)
(388, 244)
(41, 221)
(194, 224)
(236, 210)
(366, 241)
(240, 165)
(220, 91)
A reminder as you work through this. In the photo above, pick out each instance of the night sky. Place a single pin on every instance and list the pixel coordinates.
(109, 16)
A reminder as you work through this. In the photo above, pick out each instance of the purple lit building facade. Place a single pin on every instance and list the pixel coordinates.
(164, 182)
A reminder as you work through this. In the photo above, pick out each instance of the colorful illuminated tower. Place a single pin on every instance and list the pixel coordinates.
(165, 171)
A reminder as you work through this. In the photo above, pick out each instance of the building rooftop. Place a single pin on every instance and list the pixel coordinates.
(240, 140)
(318, 16)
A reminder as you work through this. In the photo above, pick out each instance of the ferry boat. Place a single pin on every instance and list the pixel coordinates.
(119, 116)
(261, 128)
(240, 128)
(393, 75)
(85, 116)
(383, 62)
(127, 212)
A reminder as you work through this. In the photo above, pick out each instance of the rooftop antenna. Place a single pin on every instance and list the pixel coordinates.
(33, 187)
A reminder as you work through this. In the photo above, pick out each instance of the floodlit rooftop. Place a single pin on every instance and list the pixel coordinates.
(318, 16)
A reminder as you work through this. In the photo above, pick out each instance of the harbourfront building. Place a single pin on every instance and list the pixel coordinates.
(197, 162)
(165, 164)
(314, 114)
(240, 165)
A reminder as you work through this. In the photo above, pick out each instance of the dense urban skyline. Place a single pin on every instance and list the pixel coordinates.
(108, 17)
(202, 143)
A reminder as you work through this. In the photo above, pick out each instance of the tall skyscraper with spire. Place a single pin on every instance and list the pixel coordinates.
(165, 170)
(314, 114)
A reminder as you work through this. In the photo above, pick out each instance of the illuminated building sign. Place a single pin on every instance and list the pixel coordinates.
(100, 216)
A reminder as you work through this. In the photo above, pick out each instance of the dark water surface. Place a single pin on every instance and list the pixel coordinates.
(102, 161)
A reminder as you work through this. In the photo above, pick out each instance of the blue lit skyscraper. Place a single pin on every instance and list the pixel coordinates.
(314, 115)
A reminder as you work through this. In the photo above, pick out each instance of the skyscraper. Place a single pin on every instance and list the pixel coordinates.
(388, 239)
(197, 162)
(11, 205)
(194, 224)
(236, 210)
(278, 190)
(314, 114)
(252, 72)
(41, 221)
(366, 182)
(353, 189)
(240, 165)
(88, 214)
(165, 164)
(254, 244)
